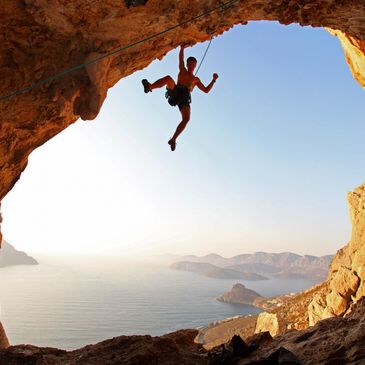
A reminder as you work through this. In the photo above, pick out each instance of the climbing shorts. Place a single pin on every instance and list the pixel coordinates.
(179, 95)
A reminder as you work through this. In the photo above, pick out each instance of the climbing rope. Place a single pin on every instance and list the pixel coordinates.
(213, 35)
(222, 6)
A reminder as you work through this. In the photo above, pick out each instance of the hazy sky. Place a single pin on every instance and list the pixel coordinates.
(264, 164)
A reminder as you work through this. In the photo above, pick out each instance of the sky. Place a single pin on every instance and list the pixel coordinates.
(264, 164)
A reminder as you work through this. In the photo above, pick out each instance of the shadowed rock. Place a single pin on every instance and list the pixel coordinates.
(135, 2)
(281, 356)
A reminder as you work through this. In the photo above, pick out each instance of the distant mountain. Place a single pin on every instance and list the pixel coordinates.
(9, 256)
(213, 271)
(212, 258)
(285, 264)
(192, 266)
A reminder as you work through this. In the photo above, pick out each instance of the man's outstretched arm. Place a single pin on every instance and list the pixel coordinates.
(206, 89)
(181, 58)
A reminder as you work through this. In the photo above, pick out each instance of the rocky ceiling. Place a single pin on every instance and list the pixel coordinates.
(40, 38)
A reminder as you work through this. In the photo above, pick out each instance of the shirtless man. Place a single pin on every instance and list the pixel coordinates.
(179, 94)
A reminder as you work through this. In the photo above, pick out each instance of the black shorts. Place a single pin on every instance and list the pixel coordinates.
(179, 95)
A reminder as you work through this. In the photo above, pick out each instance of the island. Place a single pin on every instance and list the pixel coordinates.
(239, 294)
(9, 256)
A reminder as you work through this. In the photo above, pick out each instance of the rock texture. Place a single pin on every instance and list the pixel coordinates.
(269, 322)
(41, 38)
(345, 284)
(333, 341)
(355, 54)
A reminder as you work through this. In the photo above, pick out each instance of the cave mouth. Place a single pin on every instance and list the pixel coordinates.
(265, 164)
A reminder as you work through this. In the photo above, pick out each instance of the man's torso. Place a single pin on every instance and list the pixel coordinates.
(184, 78)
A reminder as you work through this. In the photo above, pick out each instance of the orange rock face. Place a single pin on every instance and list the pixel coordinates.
(345, 284)
(355, 54)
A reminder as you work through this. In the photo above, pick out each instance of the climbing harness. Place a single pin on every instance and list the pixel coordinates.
(222, 6)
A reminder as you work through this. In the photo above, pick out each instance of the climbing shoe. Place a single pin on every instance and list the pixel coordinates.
(172, 144)
(146, 86)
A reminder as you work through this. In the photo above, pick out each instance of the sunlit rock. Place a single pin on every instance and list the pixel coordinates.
(269, 322)
(345, 284)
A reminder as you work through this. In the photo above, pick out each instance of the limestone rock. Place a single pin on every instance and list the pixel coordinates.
(355, 54)
(338, 340)
(345, 284)
(317, 309)
(269, 322)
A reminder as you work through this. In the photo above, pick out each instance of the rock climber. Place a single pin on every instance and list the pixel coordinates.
(179, 94)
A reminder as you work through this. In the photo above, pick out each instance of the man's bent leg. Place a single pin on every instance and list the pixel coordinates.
(164, 81)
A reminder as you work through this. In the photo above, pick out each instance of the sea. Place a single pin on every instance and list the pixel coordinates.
(70, 302)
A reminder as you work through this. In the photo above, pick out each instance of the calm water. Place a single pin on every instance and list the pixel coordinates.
(68, 303)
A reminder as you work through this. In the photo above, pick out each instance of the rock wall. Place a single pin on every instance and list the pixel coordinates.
(345, 284)
(40, 38)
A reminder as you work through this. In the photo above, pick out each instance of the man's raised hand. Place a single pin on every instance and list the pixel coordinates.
(215, 77)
